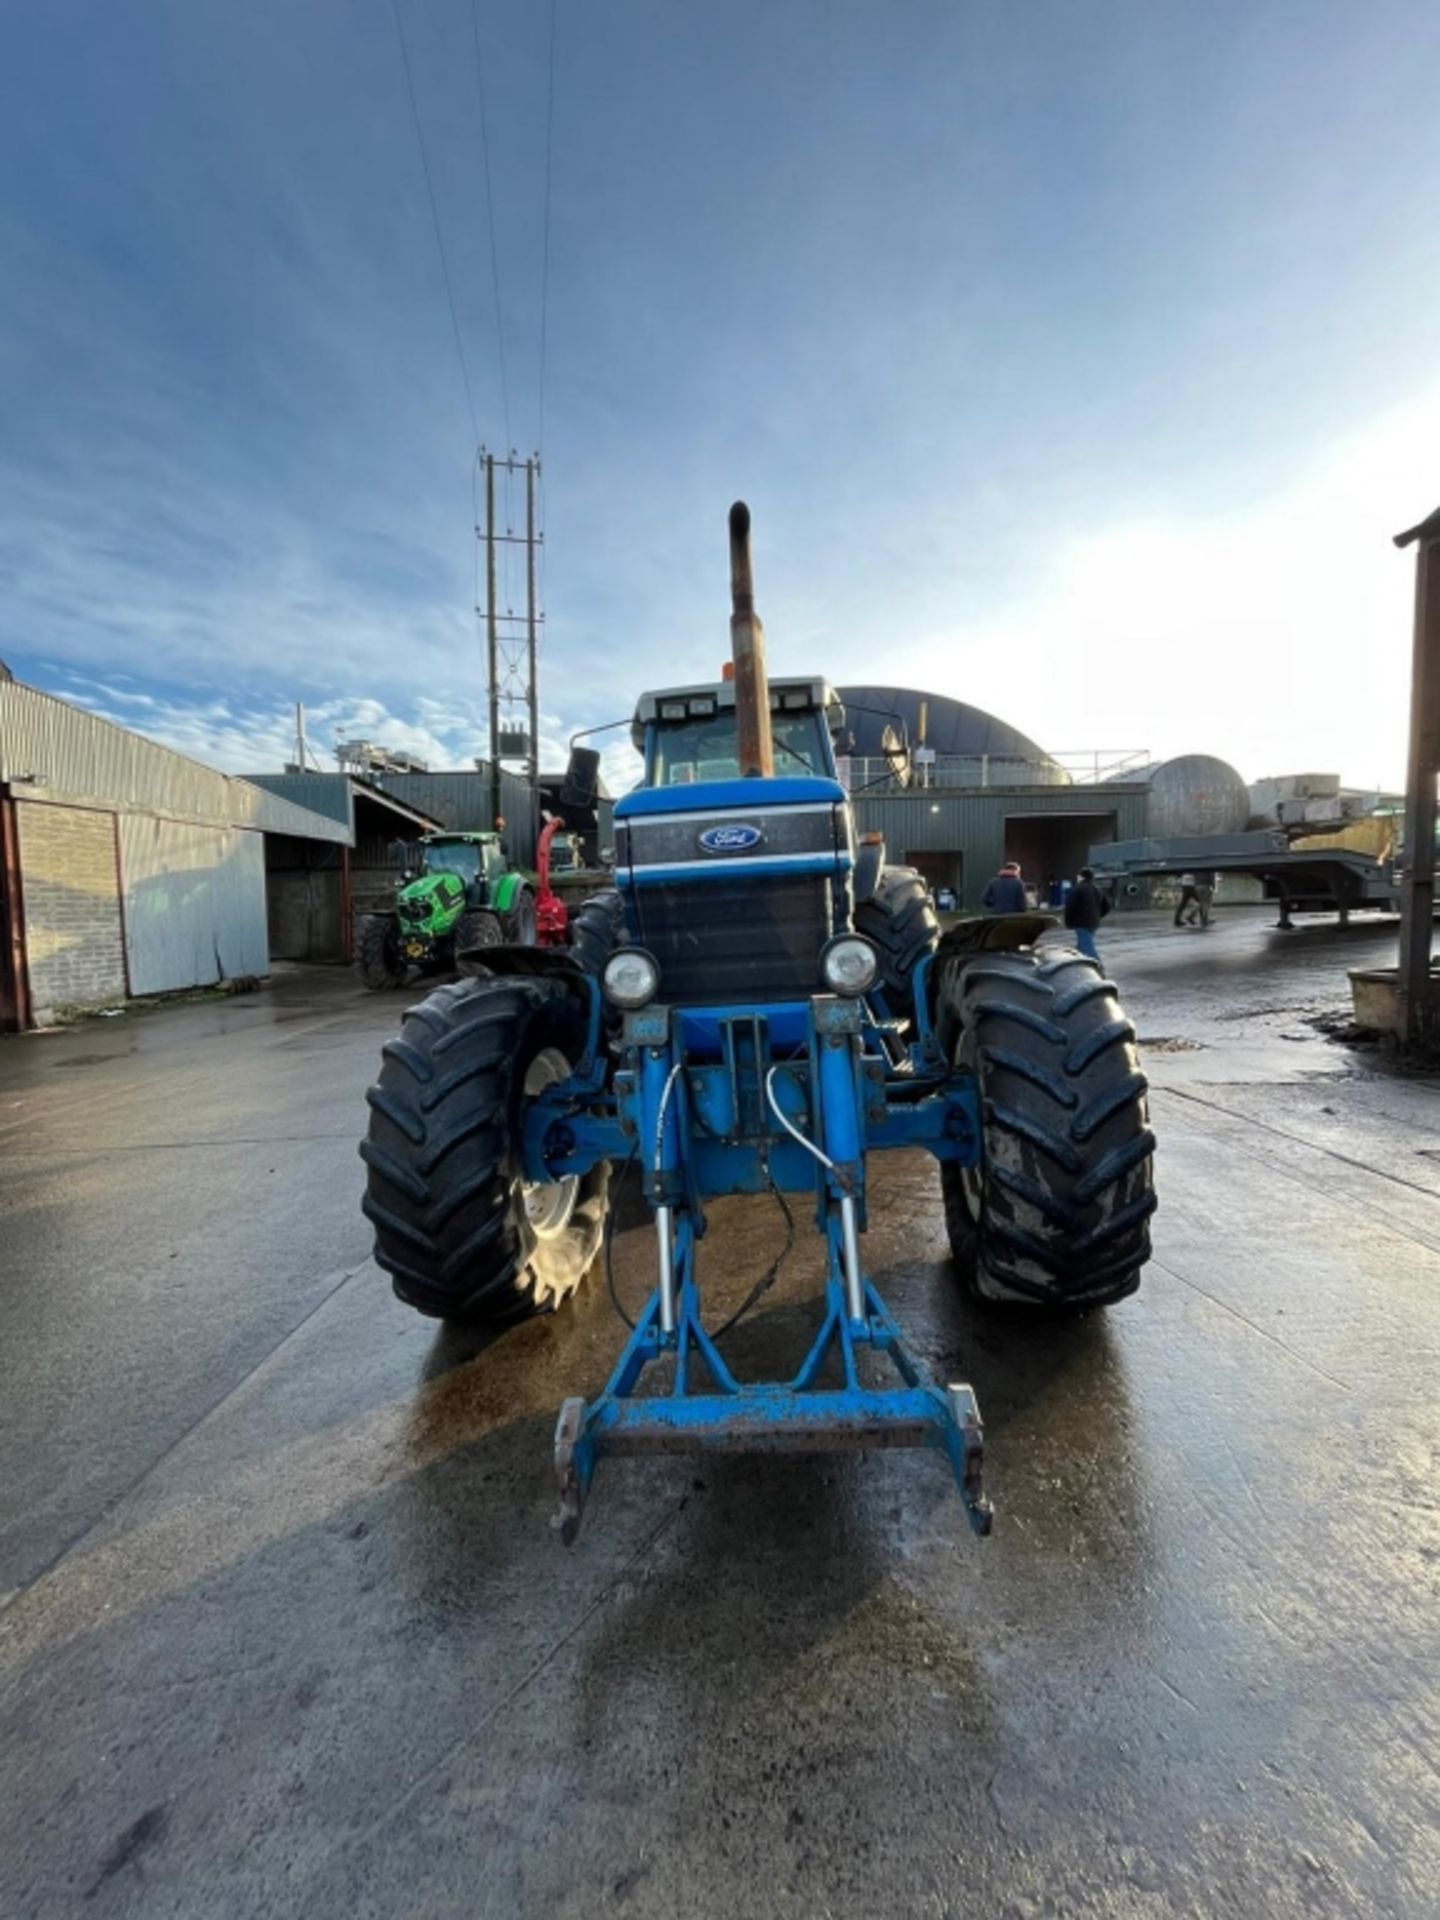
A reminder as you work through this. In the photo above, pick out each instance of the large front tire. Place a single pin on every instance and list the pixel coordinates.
(473, 932)
(597, 927)
(378, 959)
(1057, 1212)
(460, 1232)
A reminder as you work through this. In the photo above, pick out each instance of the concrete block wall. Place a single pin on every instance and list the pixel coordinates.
(73, 932)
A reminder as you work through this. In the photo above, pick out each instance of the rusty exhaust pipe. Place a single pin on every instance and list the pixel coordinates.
(747, 650)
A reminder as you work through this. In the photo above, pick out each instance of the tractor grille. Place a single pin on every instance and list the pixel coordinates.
(725, 942)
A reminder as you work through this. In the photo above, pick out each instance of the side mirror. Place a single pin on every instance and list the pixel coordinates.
(581, 787)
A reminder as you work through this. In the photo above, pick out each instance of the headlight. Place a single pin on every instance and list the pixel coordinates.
(849, 964)
(631, 978)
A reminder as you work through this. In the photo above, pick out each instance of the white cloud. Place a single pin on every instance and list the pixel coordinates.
(1277, 637)
(262, 739)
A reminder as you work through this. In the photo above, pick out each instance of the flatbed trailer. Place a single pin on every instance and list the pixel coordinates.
(1298, 879)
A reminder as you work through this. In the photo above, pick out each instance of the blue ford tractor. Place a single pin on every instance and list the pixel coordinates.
(758, 1007)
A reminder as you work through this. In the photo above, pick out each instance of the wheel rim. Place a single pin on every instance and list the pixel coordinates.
(549, 1204)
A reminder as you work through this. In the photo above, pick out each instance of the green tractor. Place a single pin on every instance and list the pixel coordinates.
(465, 896)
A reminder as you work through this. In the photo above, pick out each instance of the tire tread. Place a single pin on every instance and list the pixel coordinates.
(1067, 1175)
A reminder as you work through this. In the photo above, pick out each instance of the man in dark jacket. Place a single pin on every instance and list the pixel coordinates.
(1006, 892)
(1084, 911)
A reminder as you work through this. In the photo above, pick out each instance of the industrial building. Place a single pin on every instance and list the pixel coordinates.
(128, 869)
(981, 792)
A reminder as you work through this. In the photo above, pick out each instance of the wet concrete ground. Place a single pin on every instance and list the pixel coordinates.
(286, 1632)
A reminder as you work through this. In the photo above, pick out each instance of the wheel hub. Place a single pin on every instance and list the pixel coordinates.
(549, 1204)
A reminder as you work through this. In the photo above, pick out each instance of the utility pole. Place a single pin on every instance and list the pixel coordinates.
(512, 661)
(532, 467)
(1418, 1013)
(492, 648)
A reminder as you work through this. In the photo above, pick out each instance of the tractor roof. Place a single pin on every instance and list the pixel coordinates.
(684, 703)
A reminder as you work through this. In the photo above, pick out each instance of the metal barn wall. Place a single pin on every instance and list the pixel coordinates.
(327, 793)
(972, 822)
(461, 803)
(194, 903)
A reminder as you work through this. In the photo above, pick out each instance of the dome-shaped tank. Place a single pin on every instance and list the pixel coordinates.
(1193, 793)
(974, 747)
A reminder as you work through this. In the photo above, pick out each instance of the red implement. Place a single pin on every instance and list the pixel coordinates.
(552, 918)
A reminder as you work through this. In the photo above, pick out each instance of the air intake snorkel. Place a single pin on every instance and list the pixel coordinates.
(755, 747)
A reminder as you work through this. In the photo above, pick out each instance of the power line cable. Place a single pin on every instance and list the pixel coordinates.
(490, 217)
(435, 216)
(545, 246)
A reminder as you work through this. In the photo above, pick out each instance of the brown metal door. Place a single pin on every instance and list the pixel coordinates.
(14, 976)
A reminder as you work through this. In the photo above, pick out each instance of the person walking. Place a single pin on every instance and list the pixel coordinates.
(1204, 895)
(1006, 892)
(1189, 901)
(1084, 910)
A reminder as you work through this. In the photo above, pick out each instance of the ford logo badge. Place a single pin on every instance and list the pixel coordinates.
(730, 839)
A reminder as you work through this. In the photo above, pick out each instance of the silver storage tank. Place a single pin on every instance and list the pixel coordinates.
(1193, 793)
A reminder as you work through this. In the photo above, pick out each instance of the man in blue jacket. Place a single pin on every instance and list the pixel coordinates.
(1084, 910)
(1006, 892)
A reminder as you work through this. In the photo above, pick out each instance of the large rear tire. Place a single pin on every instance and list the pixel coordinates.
(520, 927)
(377, 954)
(1057, 1214)
(899, 918)
(597, 927)
(458, 1229)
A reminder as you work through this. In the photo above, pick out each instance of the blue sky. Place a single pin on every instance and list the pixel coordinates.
(1076, 359)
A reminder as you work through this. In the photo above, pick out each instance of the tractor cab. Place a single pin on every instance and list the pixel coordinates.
(690, 735)
(476, 860)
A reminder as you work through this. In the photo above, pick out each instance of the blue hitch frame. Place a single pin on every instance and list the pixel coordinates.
(659, 1100)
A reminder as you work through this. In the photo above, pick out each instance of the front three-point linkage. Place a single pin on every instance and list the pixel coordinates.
(824, 1406)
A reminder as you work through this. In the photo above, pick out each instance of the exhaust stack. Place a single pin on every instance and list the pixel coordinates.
(747, 649)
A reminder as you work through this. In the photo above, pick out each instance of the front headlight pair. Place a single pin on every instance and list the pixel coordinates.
(849, 965)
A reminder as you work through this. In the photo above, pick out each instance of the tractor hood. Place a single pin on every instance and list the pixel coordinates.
(735, 885)
(431, 905)
(731, 829)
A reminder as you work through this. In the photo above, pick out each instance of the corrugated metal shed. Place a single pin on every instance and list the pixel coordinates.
(972, 822)
(334, 794)
(50, 750)
(327, 793)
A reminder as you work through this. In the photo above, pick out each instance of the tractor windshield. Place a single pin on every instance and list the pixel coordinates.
(460, 857)
(708, 749)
